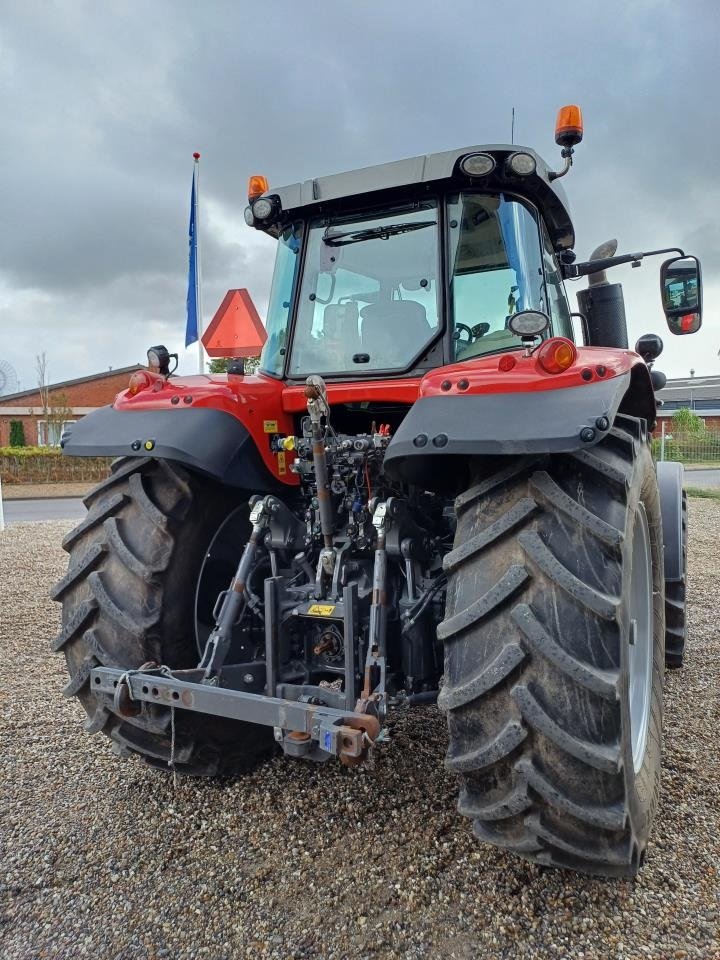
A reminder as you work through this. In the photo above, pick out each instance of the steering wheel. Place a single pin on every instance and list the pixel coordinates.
(461, 328)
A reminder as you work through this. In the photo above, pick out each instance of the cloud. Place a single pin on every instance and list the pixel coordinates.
(103, 105)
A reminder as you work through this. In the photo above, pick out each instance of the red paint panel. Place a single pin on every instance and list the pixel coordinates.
(372, 391)
(256, 401)
(484, 374)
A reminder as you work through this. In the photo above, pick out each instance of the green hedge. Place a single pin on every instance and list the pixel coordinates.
(48, 465)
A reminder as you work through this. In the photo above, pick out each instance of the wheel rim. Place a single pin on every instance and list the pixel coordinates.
(640, 637)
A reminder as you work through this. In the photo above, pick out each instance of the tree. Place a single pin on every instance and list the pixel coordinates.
(59, 411)
(17, 433)
(41, 369)
(220, 364)
(686, 421)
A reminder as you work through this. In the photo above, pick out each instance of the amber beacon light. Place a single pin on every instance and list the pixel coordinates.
(569, 126)
(257, 185)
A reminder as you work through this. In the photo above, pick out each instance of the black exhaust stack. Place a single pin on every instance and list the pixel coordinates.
(603, 305)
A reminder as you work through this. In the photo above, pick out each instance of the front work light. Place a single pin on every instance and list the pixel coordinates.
(521, 164)
(249, 218)
(477, 164)
(528, 323)
(263, 208)
(159, 360)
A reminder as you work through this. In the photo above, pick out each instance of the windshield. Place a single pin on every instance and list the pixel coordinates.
(496, 268)
(369, 294)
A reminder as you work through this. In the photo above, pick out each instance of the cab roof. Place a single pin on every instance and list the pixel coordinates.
(386, 181)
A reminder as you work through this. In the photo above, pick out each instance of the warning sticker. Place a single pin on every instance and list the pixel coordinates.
(321, 609)
(281, 463)
(270, 426)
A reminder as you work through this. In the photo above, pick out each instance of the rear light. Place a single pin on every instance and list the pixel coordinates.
(506, 362)
(138, 381)
(556, 355)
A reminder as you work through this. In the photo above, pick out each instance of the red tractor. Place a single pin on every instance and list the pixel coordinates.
(438, 486)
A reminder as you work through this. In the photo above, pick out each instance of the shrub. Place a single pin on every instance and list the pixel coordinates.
(17, 433)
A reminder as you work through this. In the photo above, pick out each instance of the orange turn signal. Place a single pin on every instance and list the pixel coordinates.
(556, 355)
(569, 126)
(257, 185)
(138, 381)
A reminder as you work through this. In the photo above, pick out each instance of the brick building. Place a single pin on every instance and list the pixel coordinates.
(68, 401)
(700, 394)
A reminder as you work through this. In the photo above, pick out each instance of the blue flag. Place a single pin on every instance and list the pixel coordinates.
(191, 327)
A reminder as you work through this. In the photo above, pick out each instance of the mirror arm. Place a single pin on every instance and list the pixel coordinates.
(574, 270)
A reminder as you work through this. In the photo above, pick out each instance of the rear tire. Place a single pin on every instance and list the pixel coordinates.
(129, 597)
(537, 654)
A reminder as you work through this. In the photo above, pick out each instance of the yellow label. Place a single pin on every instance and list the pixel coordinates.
(270, 426)
(321, 609)
(281, 462)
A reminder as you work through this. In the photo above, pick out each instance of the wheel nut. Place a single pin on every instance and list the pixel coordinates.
(587, 435)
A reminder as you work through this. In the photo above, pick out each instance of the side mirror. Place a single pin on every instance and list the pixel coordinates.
(681, 292)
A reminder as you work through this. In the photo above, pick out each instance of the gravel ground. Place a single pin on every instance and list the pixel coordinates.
(103, 858)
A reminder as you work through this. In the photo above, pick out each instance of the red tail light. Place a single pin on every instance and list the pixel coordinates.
(556, 355)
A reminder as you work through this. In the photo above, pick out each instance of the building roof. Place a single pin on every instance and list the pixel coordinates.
(701, 394)
(72, 383)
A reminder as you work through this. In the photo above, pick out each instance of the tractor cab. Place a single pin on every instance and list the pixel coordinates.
(412, 273)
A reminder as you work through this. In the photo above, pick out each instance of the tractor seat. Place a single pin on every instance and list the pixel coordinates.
(395, 329)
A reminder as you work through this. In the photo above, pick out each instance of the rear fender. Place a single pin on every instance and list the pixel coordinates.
(670, 483)
(473, 409)
(218, 426)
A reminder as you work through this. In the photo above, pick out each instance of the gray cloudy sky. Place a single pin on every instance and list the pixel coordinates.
(104, 103)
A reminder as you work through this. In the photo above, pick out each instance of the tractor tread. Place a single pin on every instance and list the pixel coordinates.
(79, 619)
(510, 737)
(552, 493)
(602, 604)
(145, 521)
(512, 518)
(516, 469)
(605, 683)
(96, 515)
(534, 690)
(608, 817)
(88, 562)
(597, 755)
(504, 663)
(514, 802)
(500, 593)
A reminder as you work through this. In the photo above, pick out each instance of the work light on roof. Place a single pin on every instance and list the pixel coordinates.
(477, 164)
(263, 208)
(521, 164)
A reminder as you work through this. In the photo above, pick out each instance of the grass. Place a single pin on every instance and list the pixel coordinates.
(706, 494)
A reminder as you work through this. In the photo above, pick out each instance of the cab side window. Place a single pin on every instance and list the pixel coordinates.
(557, 305)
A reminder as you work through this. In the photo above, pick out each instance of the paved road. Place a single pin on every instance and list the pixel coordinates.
(702, 478)
(17, 511)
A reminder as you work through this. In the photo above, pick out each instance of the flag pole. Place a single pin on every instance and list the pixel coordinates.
(198, 277)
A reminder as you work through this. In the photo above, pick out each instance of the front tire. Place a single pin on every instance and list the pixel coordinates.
(555, 724)
(129, 597)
